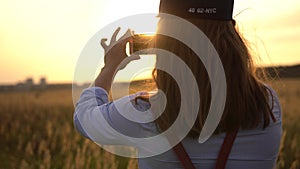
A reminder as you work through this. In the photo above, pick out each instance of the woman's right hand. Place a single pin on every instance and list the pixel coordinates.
(115, 53)
(115, 59)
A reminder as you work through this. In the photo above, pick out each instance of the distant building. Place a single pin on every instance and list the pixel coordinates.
(43, 82)
(29, 82)
(26, 85)
(20, 86)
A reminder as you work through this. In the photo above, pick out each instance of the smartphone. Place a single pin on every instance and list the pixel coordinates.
(139, 42)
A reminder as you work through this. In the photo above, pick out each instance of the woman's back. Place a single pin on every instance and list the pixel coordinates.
(251, 149)
(255, 148)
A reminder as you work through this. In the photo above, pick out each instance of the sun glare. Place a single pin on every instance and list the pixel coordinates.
(45, 38)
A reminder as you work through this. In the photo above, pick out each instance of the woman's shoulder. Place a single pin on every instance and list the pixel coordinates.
(274, 102)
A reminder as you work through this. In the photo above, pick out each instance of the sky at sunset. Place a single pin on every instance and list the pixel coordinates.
(43, 38)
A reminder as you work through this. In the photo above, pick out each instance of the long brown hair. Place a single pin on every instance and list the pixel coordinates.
(247, 103)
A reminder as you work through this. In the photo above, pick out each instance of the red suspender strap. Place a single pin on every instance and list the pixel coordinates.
(222, 157)
(225, 149)
(183, 156)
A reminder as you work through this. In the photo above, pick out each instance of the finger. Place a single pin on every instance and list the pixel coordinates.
(114, 36)
(103, 43)
(128, 34)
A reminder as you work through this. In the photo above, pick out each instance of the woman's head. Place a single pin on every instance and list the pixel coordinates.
(247, 97)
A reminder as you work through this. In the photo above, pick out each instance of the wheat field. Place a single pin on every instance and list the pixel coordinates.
(36, 132)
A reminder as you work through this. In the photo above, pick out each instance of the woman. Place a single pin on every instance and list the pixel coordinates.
(252, 111)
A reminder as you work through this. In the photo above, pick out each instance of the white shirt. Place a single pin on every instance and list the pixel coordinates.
(95, 117)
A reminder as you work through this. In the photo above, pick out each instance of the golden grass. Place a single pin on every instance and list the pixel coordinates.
(36, 132)
(288, 91)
